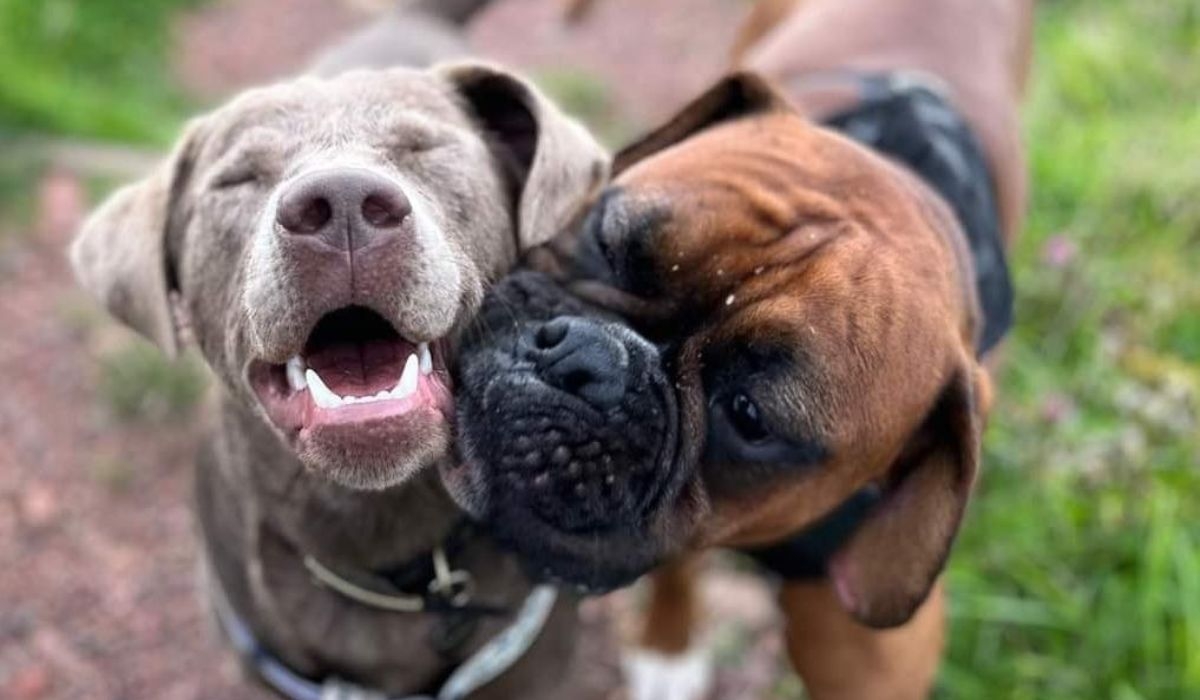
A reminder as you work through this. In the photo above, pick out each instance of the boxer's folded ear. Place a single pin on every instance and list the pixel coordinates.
(886, 570)
(736, 95)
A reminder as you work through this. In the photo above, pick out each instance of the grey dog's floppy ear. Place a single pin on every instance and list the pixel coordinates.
(120, 255)
(555, 163)
(885, 571)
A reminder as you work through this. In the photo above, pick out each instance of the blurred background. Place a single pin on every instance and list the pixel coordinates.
(1078, 572)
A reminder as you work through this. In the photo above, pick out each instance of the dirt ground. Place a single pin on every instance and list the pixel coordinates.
(97, 553)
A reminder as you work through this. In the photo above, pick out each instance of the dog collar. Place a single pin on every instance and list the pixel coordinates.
(495, 657)
(425, 583)
(451, 588)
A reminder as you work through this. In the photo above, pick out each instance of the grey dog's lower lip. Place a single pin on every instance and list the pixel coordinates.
(431, 395)
(295, 411)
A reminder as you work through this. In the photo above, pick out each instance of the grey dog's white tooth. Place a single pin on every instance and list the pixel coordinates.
(322, 395)
(295, 374)
(408, 381)
(426, 359)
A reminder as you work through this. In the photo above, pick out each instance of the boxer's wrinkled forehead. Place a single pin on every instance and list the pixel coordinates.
(693, 251)
(735, 318)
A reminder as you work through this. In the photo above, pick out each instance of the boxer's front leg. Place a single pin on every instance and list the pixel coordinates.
(668, 663)
(839, 658)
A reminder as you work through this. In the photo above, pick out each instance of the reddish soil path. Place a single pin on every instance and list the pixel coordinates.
(97, 555)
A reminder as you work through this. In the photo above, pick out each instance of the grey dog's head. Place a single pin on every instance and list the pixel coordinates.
(327, 238)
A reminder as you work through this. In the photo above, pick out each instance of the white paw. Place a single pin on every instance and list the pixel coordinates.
(655, 676)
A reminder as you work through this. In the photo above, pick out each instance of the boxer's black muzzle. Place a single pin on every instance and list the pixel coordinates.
(569, 432)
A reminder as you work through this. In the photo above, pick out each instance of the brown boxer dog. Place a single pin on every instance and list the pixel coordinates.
(770, 337)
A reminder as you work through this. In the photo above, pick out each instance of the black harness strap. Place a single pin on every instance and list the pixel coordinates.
(806, 555)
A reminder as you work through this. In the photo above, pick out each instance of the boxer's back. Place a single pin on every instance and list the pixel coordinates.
(978, 48)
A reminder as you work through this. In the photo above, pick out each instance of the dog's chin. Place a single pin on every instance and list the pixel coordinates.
(374, 455)
(590, 562)
(579, 494)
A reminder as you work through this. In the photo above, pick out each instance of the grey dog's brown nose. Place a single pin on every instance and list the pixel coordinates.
(346, 209)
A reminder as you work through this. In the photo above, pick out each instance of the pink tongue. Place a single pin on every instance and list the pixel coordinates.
(361, 368)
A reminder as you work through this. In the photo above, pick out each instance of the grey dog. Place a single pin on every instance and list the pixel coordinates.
(325, 240)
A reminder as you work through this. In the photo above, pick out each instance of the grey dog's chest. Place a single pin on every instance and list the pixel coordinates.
(313, 630)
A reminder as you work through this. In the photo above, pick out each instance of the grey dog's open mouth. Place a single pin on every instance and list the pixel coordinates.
(355, 368)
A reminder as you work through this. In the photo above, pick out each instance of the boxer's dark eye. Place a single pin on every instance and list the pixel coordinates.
(746, 418)
(741, 434)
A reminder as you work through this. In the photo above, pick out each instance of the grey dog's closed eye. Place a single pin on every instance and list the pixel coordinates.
(253, 158)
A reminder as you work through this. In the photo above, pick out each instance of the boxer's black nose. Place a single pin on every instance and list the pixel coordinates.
(582, 358)
(345, 209)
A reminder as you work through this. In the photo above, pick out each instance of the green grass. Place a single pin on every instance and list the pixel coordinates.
(1078, 572)
(17, 190)
(139, 383)
(93, 68)
(588, 98)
